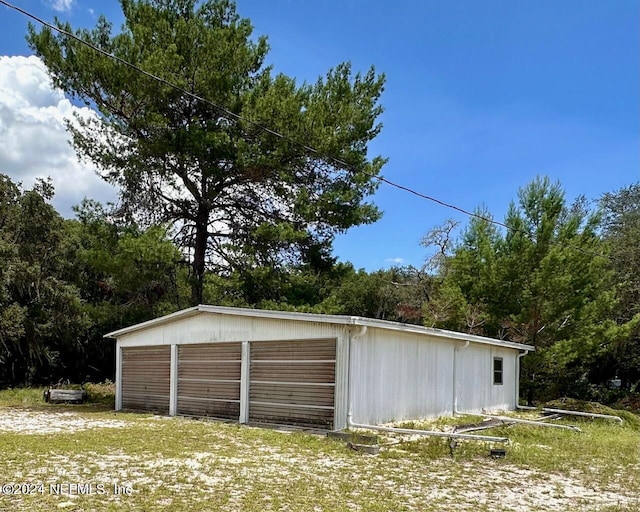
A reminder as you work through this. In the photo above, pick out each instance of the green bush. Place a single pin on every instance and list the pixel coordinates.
(102, 392)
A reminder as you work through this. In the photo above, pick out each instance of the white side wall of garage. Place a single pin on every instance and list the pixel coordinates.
(400, 376)
(476, 388)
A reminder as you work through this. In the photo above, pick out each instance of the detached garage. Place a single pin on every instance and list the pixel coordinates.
(258, 366)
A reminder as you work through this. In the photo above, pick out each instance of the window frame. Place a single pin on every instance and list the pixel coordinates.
(498, 373)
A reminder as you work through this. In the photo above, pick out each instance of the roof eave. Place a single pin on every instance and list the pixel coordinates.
(440, 333)
(183, 313)
(314, 317)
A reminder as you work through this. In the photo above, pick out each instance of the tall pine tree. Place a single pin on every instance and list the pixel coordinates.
(238, 196)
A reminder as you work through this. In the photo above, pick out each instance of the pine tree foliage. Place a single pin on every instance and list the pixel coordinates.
(545, 281)
(238, 196)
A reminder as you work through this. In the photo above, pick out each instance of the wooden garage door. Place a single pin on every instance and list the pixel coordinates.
(209, 380)
(292, 382)
(146, 378)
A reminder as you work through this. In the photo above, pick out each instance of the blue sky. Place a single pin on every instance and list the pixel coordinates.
(481, 97)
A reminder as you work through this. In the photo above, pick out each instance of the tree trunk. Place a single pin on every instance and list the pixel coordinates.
(199, 255)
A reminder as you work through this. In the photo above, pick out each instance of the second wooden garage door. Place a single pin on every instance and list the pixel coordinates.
(209, 380)
(293, 382)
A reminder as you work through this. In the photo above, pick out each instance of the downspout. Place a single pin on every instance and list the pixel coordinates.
(352, 337)
(455, 377)
(518, 406)
(547, 409)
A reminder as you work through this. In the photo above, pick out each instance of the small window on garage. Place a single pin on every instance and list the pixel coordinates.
(497, 370)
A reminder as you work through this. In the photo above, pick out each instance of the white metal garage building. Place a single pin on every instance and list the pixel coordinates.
(306, 369)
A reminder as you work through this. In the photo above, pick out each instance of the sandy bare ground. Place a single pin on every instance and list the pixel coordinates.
(38, 422)
(468, 486)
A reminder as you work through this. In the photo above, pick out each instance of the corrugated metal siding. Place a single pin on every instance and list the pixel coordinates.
(398, 376)
(146, 378)
(341, 391)
(476, 390)
(293, 382)
(209, 380)
(208, 328)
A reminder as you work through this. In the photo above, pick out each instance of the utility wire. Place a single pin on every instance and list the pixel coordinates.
(229, 114)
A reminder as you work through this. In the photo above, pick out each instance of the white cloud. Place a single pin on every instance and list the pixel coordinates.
(397, 261)
(62, 5)
(33, 139)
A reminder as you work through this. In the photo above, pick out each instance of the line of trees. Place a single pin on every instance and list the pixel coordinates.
(214, 208)
(65, 283)
(564, 278)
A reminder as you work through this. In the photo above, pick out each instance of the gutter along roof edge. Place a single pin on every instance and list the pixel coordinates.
(315, 317)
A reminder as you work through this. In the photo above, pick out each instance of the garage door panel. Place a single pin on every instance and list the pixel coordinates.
(212, 409)
(210, 390)
(206, 370)
(301, 411)
(292, 416)
(146, 404)
(146, 354)
(147, 362)
(145, 378)
(294, 349)
(292, 382)
(160, 387)
(143, 397)
(134, 370)
(210, 351)
(287, 398)
(322, 372)
(142, 359)
(209, 380)
(136, 367)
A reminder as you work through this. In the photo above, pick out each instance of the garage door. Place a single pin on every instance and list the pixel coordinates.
(209, 380)
(145, 378)
(292, 382)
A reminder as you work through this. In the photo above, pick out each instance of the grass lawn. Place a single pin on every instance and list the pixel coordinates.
(87, 457)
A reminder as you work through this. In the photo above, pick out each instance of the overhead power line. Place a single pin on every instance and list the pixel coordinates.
(232, 115)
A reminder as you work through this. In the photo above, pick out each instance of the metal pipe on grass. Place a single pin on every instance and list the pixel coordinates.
(433, 433)
(587, 414)
(529, 422)
(526, 408)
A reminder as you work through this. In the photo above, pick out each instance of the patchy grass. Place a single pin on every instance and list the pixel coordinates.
(178, 464)
(24, 397)
(99, 394)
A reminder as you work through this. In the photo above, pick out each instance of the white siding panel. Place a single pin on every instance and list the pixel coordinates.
(504, 397)
(399, 376)
(342, 380)
(208, 327)
(476, 390)
(118, 406)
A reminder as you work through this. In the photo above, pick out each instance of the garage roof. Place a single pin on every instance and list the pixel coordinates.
(314, 317)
